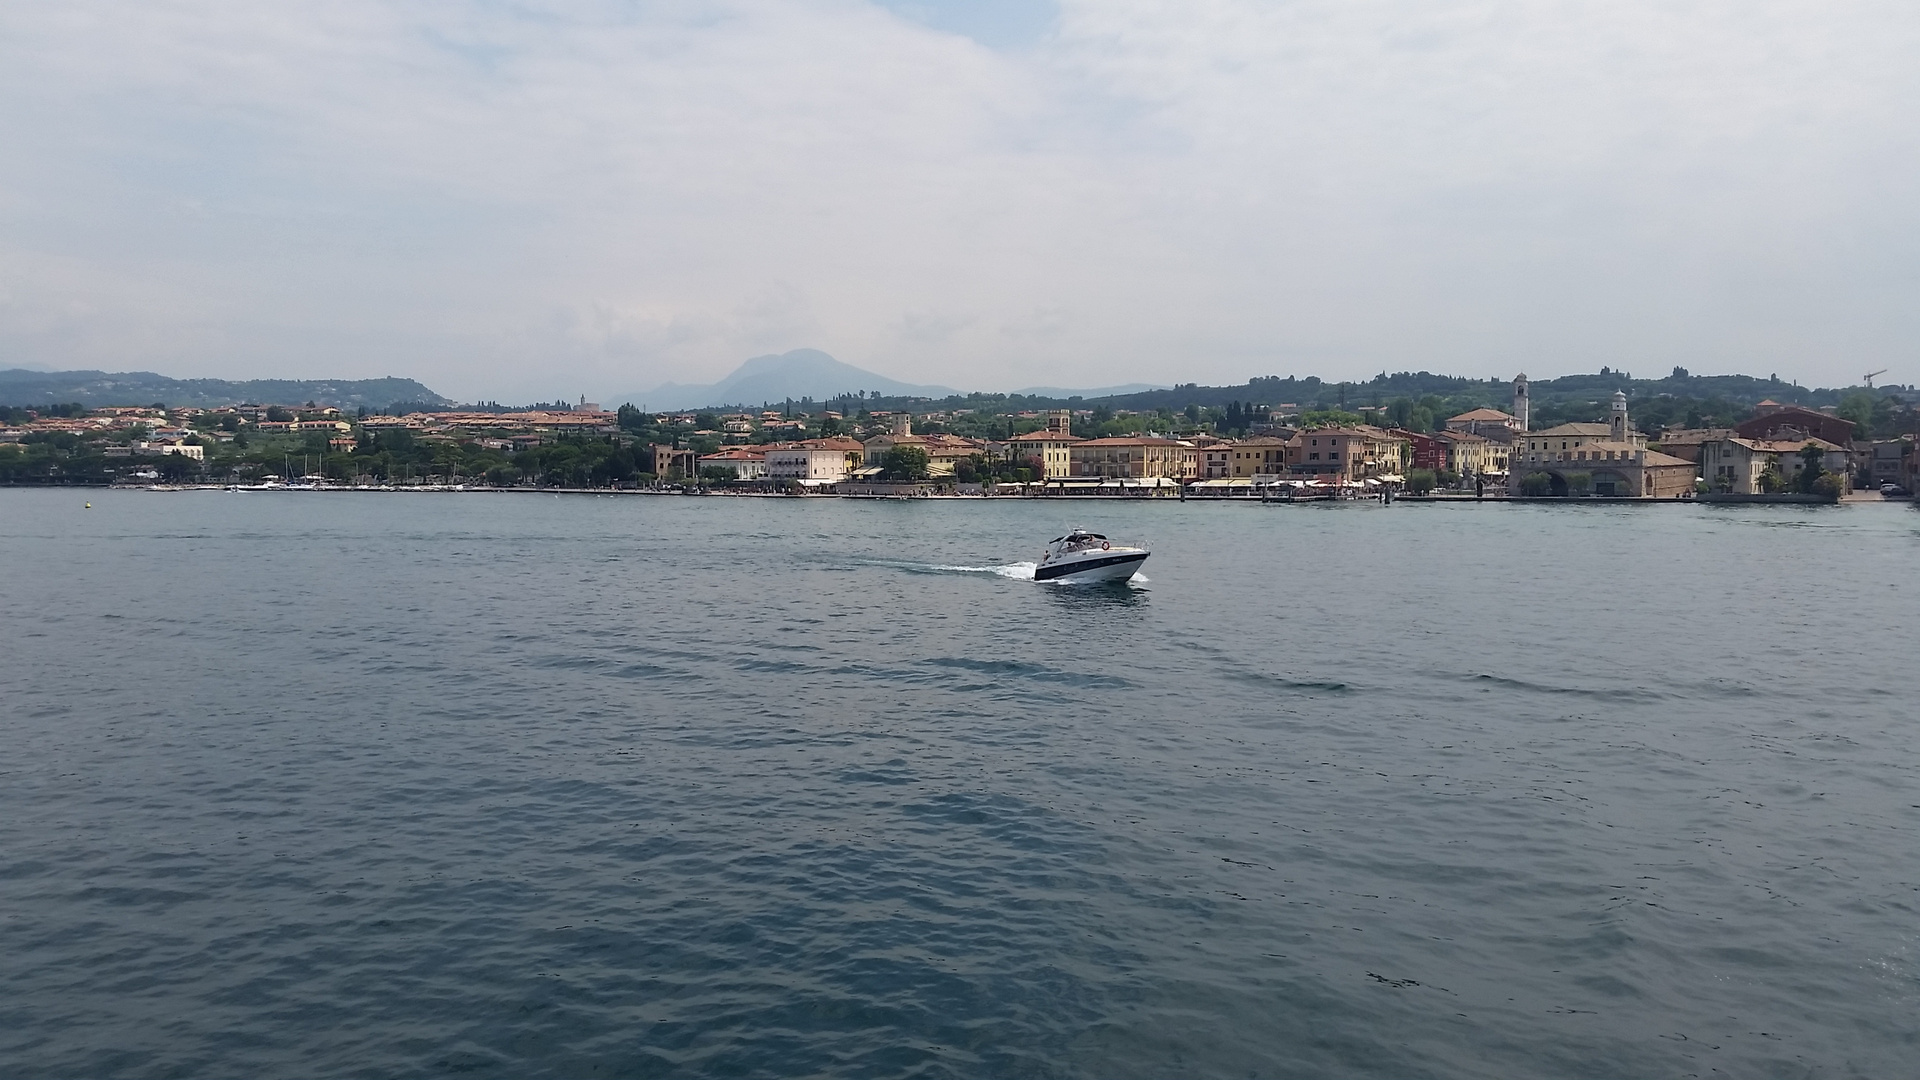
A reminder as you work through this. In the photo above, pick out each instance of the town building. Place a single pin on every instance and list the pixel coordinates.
(1262, 455)
(944, 452)
(1424, 451)
(1776, 422)
(1468, 455)
(1047, 450)
(672, 462)
(1612, 457)
(1347, 454)
(1134, 458)
(1685, 443)
(1756, 466)
(828, 460)
(742, 463)
(1891, 461)
(1485, 422)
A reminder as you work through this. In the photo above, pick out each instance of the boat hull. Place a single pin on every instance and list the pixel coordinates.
(1118, 566)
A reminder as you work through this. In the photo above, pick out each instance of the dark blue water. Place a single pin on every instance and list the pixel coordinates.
(507, 785)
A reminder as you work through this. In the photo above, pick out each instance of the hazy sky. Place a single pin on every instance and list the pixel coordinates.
(518, 199)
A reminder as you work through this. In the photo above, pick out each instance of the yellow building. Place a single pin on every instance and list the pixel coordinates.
(1051, 447)
(1135, 458)
(1261, 456)
(1473, 455)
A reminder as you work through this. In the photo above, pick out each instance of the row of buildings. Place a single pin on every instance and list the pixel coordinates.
(1478, 448)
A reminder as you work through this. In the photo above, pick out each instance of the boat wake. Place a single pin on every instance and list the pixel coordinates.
(1020, 571)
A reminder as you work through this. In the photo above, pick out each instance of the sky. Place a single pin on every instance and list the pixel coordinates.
(519, 200)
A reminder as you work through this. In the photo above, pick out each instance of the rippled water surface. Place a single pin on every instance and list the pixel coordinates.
(505, 785)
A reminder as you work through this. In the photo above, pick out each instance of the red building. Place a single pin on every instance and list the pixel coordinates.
(1793, 422)
(1429, 452)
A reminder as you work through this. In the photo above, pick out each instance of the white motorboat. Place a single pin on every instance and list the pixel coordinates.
(1082, 557)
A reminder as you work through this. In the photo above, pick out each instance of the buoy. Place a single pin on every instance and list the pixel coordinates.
(89, 506)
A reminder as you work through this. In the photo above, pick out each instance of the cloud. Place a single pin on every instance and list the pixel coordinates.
(495, 198)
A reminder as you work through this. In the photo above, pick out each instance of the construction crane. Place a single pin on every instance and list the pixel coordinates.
(1869, 376)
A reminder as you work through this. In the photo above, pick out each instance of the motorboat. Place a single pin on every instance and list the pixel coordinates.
(1083, 557)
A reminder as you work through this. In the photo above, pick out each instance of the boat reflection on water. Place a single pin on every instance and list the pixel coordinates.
(1099, 594)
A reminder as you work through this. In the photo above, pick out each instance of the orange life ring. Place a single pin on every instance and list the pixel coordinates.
(1104, 545)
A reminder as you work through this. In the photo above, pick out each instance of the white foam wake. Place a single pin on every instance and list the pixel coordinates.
(1020, 571)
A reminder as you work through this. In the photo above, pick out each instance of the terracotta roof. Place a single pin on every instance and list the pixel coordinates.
(1131, 441)
(1693, 436)
(1045, 436)
(1480, 414)
(1784, 446)
(1585, 431)
(1655, 457)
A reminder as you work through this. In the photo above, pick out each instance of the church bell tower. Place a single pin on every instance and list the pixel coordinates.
(1520, 400)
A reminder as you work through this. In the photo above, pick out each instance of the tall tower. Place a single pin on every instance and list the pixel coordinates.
(1520, 400)
(1060, 422)
(1619, 416)
(902, 422)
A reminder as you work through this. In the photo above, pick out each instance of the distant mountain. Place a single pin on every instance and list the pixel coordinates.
(810, 373)
(21, 387)
(802, 373)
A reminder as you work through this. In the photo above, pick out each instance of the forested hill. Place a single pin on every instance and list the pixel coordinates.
(1740, 391)
(1570, 392)
(101, 388)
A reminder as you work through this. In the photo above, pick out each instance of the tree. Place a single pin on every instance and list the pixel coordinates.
(904, 464)
(1579, 483)
(1420, 481)
(174, 468)
(1859, 407)
(278, 415)
(1810, 468)
(1536, 484)
(718, 474)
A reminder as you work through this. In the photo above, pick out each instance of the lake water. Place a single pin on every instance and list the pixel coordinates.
(521, 785)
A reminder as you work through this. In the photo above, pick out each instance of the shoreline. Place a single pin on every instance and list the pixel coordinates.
(1852, 498)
